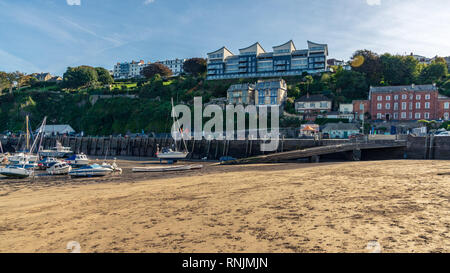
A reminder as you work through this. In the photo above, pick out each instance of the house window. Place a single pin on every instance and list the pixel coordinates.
(404, 96)
(388, 97)
(396, 106)
(410, 115)
(396, 97)
(427, 96)
(427, 115)
(403, 105)
(446, 105)
(395, 115)
(427, 105)
(417, 116)
(388, 106)
(361, 106)
(379, 98)
(403, 114)
(446, 115)
(379, 106)
(417, 105)
(418, 97)
(379, 116)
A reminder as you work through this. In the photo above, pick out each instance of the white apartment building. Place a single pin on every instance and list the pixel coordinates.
(176, 65)
(123, 71)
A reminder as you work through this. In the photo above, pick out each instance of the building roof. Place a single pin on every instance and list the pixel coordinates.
(312, 44)
(313, 98)
(59, 128)
(221, 50)
(289, 44)
(241, 86)
(340, 126)
(388, 89)
(254, 48)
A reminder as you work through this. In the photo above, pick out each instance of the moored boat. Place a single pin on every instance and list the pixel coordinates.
(59, 168)
(15, 171)
(59, 151)
(78, 160)
(167, 168)
(47, 162)
(90, 170)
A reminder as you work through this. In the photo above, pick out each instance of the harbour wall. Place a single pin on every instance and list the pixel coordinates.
(417, 147)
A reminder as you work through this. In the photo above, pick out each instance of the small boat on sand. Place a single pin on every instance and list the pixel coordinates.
(16, 171)
(112, 166)
(167, 168)
(59, 168)
(47, 163)
(90, 170)
(78, 160)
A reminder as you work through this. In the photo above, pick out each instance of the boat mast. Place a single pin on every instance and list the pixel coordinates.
(28, 134)
(179, 127)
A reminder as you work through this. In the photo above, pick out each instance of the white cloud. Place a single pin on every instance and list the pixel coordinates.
(73, 2)
(373, 2)
(146, 2)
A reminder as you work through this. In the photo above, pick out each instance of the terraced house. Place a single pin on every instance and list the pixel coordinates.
(411, 102)
(255, 62)
(270, 92)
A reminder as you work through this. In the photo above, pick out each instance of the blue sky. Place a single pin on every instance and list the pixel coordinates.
(49, 35)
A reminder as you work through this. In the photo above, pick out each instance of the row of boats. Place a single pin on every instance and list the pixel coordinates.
(77, 165)
(61, 160)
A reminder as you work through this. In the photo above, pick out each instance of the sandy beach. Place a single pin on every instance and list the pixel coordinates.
(325, 207)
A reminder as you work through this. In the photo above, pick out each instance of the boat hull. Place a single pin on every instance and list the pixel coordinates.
(15, 172)
(172, 155)
(167, 168)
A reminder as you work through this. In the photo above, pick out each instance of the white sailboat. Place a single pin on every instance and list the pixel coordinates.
(27, 155)
(24, 167)
(167, 153)
(58, 151)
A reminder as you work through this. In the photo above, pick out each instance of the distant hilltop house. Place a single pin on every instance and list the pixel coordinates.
(175, 65)
(255, 62)
(335, 62)
(340, 130)
(271, 92)
(59, 129)
(46, 77)
(125, 71)
(421, 59)
(310, 106)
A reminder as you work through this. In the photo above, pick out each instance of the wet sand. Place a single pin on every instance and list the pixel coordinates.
(326, 207)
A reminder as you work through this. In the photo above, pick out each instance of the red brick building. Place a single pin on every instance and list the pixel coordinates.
(411, 102)
(360, 108)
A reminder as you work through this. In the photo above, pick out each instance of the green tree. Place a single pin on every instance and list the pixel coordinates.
(195, 66)
(156, 68)
(81, 76)
(352, 85)
(433, 72)
(104, 77)
(368, 63)
(399, 70)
